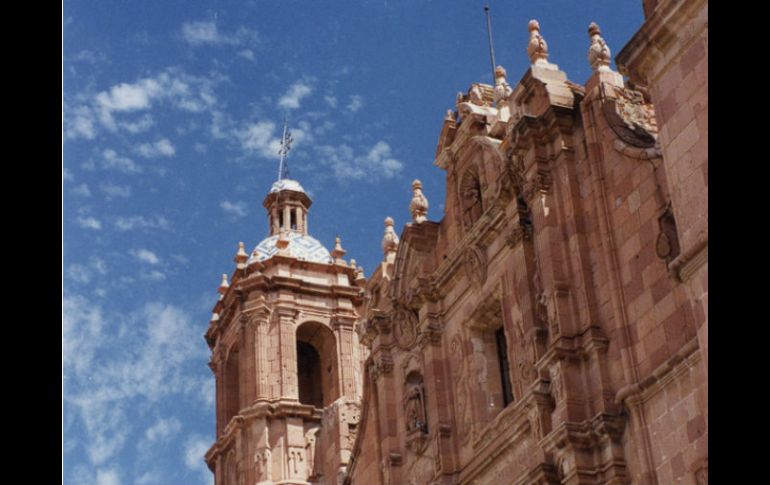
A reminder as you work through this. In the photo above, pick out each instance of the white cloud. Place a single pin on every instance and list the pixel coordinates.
(82, 273)
(181, 90)
(146, 256)
(107, 477)
(79, 273)
(140, 222)
(154, 275)
(199, 148)
(67, 175)
(200, 33)
(356, 102)
(292, 98)
(162, 430)
(89, 223)
(113, 191)
(246, 54)
(376, 163)
(261, 137)
(112, 161)
(111, 372)
(331, 101)
(194, 450)
(238, 209)
(144, 123)
(162, 147)
(82, 190)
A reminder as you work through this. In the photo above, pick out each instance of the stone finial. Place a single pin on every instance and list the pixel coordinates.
(390, 238)
(241, 256)
(224, 285)
(214, 317)
(538, 48)
(338, 252)
(502, 88)
(450, 115)
(360, 278)
(419, 205)
(353, 264)
(598, 54)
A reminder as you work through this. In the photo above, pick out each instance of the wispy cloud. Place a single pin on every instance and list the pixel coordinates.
(331, 101)
(162, 430)
(82, 190)
(195, 448)
(356, 103)
(89, 223)
(261, 138)
(198, 33)
(146, 256)
(109, 373)
(113, 191)
(377, 163)
(140, 222)
(237, 209)
(112, 161)
(293, 97)
(162, 147)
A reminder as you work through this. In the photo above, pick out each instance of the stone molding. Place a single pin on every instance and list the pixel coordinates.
(637, 393)
(686, 264)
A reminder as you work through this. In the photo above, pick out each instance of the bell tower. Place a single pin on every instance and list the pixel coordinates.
(284, 354)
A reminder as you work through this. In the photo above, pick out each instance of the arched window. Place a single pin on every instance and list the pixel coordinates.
(317, 368)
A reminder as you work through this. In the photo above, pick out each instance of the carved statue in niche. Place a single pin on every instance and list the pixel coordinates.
(414, 403)
(470, 197)
(463, 415)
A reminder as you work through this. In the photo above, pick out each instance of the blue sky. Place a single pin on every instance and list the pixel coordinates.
(172, 113)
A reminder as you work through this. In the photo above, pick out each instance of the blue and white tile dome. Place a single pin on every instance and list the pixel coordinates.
(304, 248)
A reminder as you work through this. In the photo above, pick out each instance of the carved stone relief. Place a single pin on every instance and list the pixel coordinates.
(462, 401)
(476, 265)
(405, 327)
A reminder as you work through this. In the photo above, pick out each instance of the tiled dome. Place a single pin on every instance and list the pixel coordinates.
(304, 248)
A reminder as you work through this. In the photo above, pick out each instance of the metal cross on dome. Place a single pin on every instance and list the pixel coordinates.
(286, 139)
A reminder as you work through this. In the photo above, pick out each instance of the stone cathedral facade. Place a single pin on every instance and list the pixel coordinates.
(550, 328)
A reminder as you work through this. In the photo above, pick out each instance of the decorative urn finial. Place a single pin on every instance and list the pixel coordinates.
(502, 89)
(224, 285)
(419, 205)
(538, 48)
(241, 256)
(390, 238)
(338, 252)
(599, 53)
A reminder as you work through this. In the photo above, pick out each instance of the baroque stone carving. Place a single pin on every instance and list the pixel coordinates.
(418, 207)
(598, 54)
(537, 48)
(462, 401)
(470, 197)
(405, 326)
(476, 265)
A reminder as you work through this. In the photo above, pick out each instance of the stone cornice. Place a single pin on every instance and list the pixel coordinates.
(659, 378)
(687, 263)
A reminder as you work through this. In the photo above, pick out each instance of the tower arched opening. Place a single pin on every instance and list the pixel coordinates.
(317, 365)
